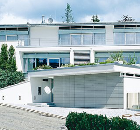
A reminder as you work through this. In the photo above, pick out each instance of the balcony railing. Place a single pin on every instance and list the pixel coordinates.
(37, 42)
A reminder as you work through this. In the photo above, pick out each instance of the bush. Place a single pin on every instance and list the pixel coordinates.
(123, 124)
(43, 67)
(84, 121)
(10, 78)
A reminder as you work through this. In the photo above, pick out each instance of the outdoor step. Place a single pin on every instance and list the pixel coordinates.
(42, 104)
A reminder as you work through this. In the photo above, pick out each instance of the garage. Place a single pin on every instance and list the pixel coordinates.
(104, 90)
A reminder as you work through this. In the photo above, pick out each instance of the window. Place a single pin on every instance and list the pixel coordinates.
(2, 38)
(41, 61)
(24, 38)
(126, 38)
(130, 38)
(31, 63)
(119, 38)
(54, 63)
(64, 39)
(82, 39)
(99, 39)
(11, 37)
(39, 90)
(87, 39)
(64, 61)
(137, 38)
(76, 39)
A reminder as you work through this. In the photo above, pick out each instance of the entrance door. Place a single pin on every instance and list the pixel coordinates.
(46, 97)
(54, 63)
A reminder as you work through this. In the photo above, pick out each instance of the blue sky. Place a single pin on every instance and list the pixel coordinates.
(23, 11)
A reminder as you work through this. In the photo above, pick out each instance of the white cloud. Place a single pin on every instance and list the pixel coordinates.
(11, 19)
(21, 11)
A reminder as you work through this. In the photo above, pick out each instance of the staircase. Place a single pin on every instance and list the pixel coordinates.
(49, 104)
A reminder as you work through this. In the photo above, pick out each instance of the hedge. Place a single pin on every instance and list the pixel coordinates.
(10, 78)
(84, 121)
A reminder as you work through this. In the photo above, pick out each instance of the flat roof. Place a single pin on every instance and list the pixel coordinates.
(88, 69)
(71, 24)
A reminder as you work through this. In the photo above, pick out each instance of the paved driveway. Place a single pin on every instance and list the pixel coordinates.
(15, 119)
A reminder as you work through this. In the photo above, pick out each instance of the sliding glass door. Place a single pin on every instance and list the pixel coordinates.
(54, 62)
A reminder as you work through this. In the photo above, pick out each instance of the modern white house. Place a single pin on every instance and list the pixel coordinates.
(104, 86)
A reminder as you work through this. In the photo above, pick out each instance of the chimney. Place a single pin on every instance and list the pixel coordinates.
(43, 19)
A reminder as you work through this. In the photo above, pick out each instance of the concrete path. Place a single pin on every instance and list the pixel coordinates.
(65, 111)
(16, 119)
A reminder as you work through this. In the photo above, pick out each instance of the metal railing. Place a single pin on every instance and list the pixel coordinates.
(37, 42)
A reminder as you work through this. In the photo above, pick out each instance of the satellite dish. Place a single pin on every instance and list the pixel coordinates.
(50, 20)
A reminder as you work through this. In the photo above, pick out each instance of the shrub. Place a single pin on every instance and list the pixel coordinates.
(84, 121)
(43, 67)
(10, 78)
(68, 65)
(123, 124)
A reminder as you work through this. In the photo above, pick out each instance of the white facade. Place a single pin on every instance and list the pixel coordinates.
(16, 94)
(59, 44)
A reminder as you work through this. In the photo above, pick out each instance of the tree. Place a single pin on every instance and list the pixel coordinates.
(7, 58)
(126, 18)
(95, 18)
(4, 57)
(12, 60)
(68, 16)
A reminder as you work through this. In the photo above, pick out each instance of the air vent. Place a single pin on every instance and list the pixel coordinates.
(45, 79)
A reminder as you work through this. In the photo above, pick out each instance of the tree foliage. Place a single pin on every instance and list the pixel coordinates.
(4, 57)
(68, 15)
(8, 73)
(7, 58)
(84, 121)
(10, 78)
(95, 18)
(126, 18)
(12, 60)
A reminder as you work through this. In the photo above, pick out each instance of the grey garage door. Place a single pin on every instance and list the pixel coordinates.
(92, 90)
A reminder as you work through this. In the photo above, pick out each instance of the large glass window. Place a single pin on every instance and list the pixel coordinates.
(25, 66)
(137, 38)
(64, 39)
(119, 38)
(76, 39)
(2, 38)
(130, 38)
(24, 38)
(41, 61)
(54, 63)
(87, 39)
(31, 63)
(11, 37)
(99, 39)
(64, 61)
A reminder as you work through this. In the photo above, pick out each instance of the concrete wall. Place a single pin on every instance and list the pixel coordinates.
(38, 82)
(98, 90)
(109, 35)
(44, 36)
(131, 85)
(11, 94)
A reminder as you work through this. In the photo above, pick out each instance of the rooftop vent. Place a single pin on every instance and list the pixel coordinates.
(43, 19)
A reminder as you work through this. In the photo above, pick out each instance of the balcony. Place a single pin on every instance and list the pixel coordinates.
(37, 42)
